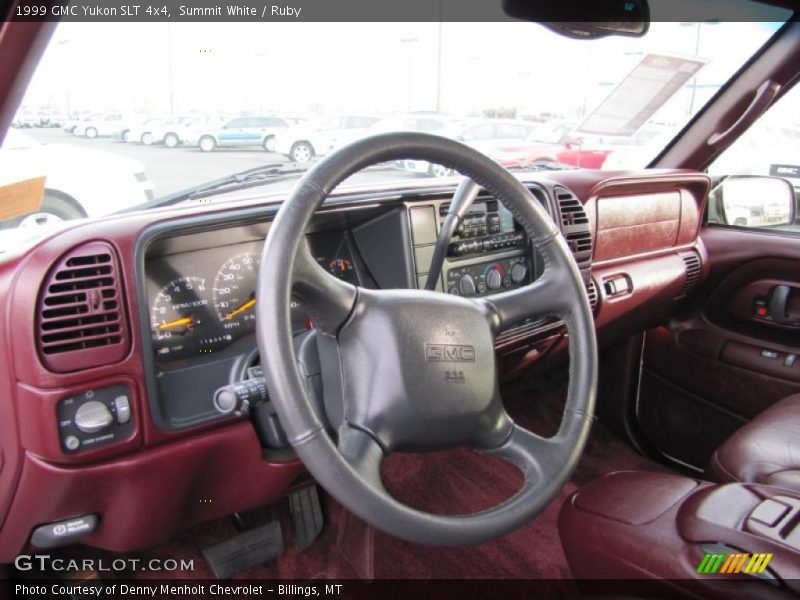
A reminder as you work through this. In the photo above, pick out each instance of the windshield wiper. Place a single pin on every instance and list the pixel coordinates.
(249, 178)
(244, 179)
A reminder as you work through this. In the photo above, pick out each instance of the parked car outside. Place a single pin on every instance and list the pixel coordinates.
(189, 132)
(77, 182)
(240, 132)
(304, 142)
(428, 122)
(101, 126)
(141, 132)
(485, 135)
(26, 118)
(166, 128)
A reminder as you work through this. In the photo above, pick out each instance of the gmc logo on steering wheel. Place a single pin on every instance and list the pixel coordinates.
(449, 353)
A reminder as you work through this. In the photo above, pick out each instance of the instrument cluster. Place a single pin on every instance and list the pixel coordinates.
(202, 301)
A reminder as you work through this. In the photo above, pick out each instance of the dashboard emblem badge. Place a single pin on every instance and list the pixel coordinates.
(449, 353)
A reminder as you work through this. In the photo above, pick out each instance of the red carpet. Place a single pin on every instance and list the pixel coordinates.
(451, 482)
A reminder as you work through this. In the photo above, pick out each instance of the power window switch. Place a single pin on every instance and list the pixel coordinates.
(790, 360)
(123, 406)
(769, 512)
(771, 354)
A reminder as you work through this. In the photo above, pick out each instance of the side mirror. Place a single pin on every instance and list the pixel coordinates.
(753, 201)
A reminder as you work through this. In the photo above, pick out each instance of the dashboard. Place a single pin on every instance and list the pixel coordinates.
(124, 328)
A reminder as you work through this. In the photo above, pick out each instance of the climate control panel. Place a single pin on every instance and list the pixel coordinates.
(489, 277)
(94, 418)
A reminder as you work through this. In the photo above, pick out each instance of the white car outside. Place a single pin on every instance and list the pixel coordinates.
(78, 180)
(101, 126)
(303, 142)
(167, 131)
(189, 132)
(142, 132)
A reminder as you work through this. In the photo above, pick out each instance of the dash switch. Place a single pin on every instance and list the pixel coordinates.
(123, 407)
(769, 512)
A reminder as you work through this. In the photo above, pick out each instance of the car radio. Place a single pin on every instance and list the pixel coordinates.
(488, 253)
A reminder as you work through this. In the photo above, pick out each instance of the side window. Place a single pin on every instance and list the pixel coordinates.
(429, 125)
(478, 132)
(335, 123)
(358, 122)
(511, 131)
(742, 197)
(273, 122)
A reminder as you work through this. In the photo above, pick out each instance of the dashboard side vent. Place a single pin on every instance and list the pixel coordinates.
(693, 268)
(80, 313)
(570, 208)
(591, 291)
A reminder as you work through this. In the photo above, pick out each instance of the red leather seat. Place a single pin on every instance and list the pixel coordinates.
(766, 450)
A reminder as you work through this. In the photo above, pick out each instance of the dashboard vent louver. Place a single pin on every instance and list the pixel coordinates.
(580, 242)
(591, 292)
(693, 268)
(570, 208)
(80, 313)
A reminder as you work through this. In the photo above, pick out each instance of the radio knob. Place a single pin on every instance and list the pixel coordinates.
(494, 278)
(93, 416)
(518, 273)
(467, 285)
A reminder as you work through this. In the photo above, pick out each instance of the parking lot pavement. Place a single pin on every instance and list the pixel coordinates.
(176, 169)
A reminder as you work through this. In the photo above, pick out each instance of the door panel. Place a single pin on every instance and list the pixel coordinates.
(722, 358)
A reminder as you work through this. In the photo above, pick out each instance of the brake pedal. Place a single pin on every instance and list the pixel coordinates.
(248, 549)
(307, 518)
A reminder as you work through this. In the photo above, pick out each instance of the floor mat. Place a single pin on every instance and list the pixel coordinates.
(452, 482)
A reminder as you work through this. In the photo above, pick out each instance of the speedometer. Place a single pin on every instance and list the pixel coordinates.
(235, 292)
(178, 309)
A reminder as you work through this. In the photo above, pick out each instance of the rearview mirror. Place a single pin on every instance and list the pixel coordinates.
(586, 20)
(753, 201)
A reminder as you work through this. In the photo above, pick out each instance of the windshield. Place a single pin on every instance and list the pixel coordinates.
(169, 107)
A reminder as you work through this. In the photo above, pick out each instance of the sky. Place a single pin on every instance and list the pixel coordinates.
(313, 68)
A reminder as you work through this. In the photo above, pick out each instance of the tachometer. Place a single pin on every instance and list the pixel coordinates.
(235, 292)
(177, 311)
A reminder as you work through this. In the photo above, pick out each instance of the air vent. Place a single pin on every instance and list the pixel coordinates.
(693, 267)
(80, 314)
(591, 292)
(580, 242)
(570, 208)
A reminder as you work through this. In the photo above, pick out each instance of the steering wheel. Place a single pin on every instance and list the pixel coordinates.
(414, 369)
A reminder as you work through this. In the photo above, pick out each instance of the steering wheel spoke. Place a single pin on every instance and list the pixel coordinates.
(329, 299)
(547, 296)
(362, 453)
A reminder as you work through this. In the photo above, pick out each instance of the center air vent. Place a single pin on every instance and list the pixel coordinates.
(574, 224)
(80, 313)
(693, 268)
(570, 208)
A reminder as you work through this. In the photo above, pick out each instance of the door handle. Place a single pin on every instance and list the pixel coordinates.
(778, 299)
